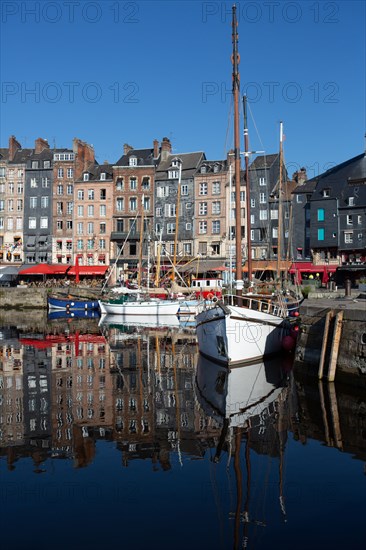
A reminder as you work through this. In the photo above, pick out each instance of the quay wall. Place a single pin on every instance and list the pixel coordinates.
(36, 297)
(351, 361)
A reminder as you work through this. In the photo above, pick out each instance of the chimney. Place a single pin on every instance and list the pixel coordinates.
(14, 145)
(156, 148)
(105, 162)
(166, 148)
(40, 144)
(127, 148)
(300, 176)
(84, 156)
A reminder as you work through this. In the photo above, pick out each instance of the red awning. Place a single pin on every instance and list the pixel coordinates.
(45, 269)
(311, 268)
(88, 270)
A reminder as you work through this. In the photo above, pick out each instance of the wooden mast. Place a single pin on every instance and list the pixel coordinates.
(139, 273)
(177, 222)
(236, 89)
(247, 194)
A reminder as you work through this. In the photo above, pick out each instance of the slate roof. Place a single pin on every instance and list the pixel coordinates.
(145, 157)
(337, 179)
(263, 161)
(95, 170)
(190, 163)
(211, 164)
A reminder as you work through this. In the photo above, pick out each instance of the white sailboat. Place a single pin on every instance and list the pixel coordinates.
(249, 327)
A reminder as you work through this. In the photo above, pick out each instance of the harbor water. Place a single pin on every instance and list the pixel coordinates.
(121, 435)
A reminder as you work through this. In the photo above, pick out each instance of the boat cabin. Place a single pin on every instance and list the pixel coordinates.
(207, 288)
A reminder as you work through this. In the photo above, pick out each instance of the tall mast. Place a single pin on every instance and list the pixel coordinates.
(279, 230)
(139, 273)
(247, 195)
(236, 88)
(177, 221)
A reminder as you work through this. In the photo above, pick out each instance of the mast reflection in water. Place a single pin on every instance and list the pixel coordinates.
(138, 441)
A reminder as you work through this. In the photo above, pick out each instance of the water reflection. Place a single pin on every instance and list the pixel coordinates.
(99, 395)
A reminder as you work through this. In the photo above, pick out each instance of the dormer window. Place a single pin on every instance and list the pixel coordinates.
(103, 176)
(351, 201)
(216, 168)
(133, 161)
(86, 176)
(326, 193)
(173, 174)
(176, 162)
(203, 169)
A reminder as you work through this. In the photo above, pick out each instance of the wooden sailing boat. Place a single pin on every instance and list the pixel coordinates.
(248, 327)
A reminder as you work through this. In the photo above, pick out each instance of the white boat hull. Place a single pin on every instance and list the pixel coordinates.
(232, 335)
(164, 307)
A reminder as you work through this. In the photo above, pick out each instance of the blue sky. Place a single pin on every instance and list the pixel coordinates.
(113, 72)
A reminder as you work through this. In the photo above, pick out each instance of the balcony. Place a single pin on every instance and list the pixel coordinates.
(122, 236)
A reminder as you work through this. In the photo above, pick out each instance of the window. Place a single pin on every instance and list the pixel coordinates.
(262, 181)
(102, 228)
(86, 177)
(10, 224)
(90, 228)
(252, 234)
(215, 249)
(252, 219)
(1, 223)
(11, 188)
(80, 244)
(262, 198)
(34, 164)
(90, 194)
(202, 208)
(80, 228)
(145, 183)
(349, 219)
(90, 244)
(44, 202)
(320, 214)
(69, 224)
(44, 222)
(133, 161)
(119, 204)
(133, 204)
(184, 189)
(69, 189)
(170, 228)
(69, 208)
(203, 169)
(59, 225)
(33, 182)
(102, 210)
(19, 188)
(80, 195)
(103, 194)
(263, 214)
(359, 220)
(321, 234)
(158, 211)
(202, 188)
(60, 173)
(45, 182)
(102, 244)
(2, 206)
(32, 202)
(119, 184)
(202, 248)
(32, 223)
(70, 173)
(275, 232)
(19, 223)
(59, 207)
(173, 174)
(188, 226)
(202, 227)
(187, 249)
(274, 214)
(252, 203)
(90, 210)
(162, 191)
(146, 204)
(60, 189)
(326, 193)
(348, 237)
(133, 184)
(216, 227)
(351, 201)
(216, 207)
(216, 188)
(80, 211)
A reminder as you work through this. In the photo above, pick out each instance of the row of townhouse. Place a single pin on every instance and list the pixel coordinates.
(59, 204)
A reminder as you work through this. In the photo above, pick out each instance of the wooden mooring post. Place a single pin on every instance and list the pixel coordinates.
(336, 338)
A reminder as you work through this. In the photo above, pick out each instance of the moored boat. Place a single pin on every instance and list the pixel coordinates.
(71, 303)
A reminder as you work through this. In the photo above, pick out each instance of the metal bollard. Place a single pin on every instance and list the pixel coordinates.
(347, 287)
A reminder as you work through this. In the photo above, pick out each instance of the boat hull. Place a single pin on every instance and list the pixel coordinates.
(71, 304)
(165, 307)
(232, 335)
